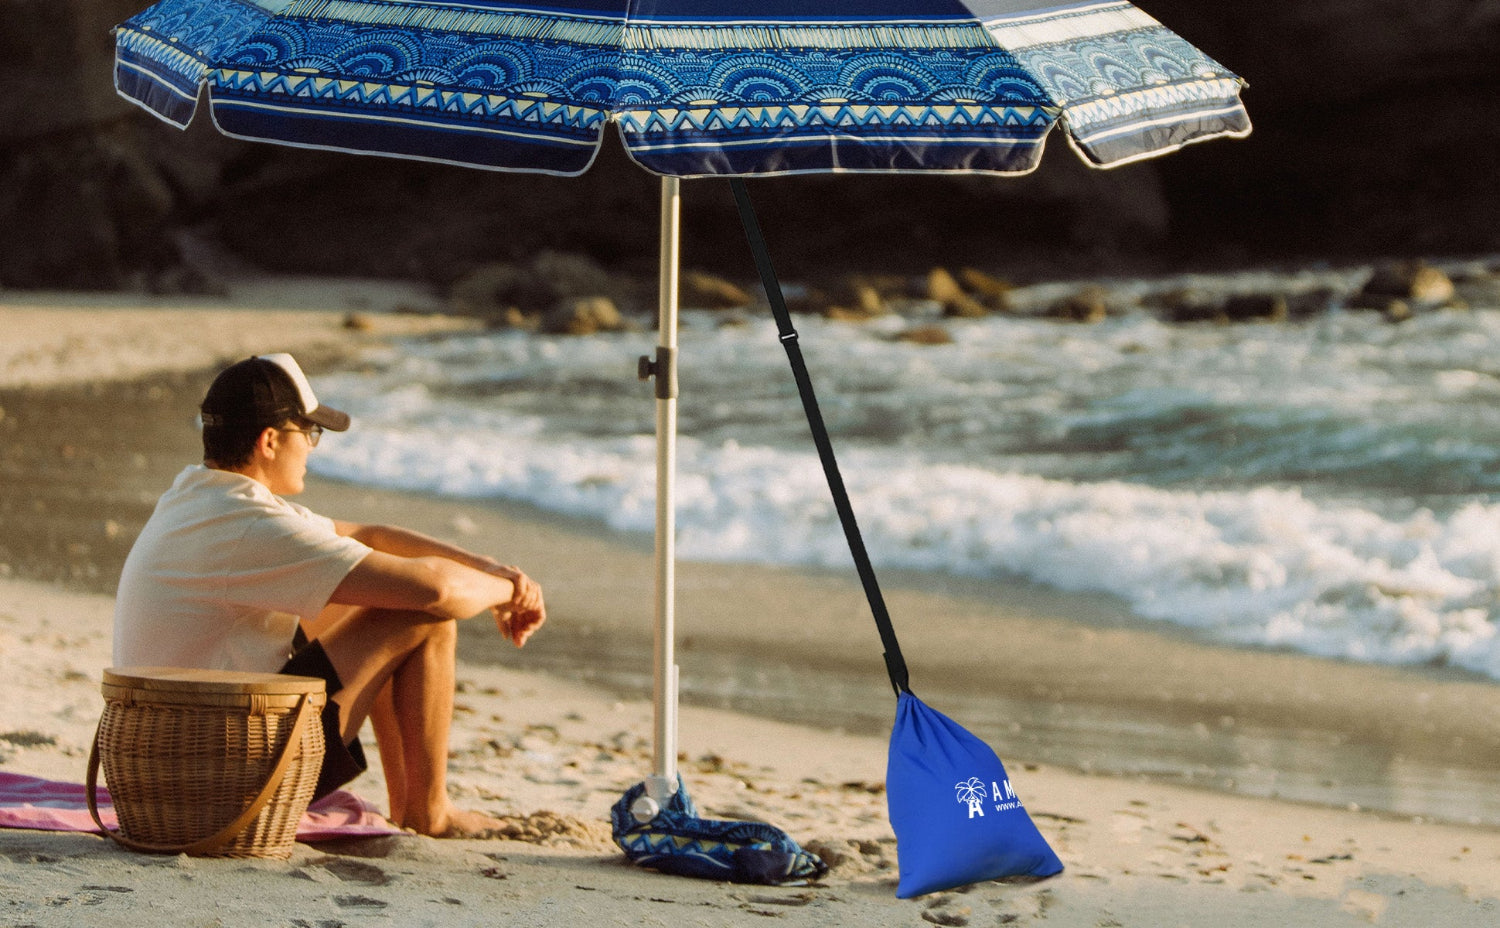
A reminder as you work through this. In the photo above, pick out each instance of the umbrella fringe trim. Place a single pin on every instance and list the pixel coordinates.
(553, 26)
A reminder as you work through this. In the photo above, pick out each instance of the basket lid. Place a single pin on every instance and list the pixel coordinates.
(194, 680)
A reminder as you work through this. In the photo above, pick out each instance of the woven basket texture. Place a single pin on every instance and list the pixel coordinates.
(179, 773)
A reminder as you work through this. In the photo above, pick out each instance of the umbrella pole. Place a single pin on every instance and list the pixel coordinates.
(662, 783)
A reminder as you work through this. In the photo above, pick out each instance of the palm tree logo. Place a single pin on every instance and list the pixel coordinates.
(972, 792)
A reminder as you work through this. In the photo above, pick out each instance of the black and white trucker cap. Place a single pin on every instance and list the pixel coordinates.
(265, 391)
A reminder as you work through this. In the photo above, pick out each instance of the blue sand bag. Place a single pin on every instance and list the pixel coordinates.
(678, 842)
(957, 819)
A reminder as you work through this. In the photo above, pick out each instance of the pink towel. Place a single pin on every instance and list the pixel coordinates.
(48, 805)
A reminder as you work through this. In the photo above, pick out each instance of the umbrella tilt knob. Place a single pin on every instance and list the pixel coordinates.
(664, 368)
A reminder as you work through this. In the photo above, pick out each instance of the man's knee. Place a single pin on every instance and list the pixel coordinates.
(444, 634)
(368, 633)
(418, 630)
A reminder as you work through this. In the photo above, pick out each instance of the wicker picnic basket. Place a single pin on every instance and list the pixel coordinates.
(208, 763)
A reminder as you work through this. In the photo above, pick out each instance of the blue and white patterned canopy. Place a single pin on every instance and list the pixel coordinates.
(697, 87)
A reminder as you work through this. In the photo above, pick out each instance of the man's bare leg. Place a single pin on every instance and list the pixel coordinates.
(392, 753)
(412, 655)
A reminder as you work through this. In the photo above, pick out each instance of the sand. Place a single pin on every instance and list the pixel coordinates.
(534, 744)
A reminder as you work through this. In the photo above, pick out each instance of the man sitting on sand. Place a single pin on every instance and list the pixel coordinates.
(227, 574)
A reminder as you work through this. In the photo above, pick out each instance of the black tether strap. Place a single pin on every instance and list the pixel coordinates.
(894, 663)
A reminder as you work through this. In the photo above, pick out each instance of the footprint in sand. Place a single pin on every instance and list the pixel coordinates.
(90, 895)
(355, 871)
(958, 917)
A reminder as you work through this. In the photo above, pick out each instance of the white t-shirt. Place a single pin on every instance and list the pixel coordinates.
(221, 573)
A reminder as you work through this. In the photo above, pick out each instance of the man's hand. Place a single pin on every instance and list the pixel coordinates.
(518, 625)
(525, 612)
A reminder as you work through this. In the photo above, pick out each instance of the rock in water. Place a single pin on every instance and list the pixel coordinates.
(1413, 281)
(583, 316)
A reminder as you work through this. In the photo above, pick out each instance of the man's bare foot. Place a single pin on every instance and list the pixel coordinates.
(460, 823)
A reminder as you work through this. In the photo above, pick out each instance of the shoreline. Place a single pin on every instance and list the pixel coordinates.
(1061, 685)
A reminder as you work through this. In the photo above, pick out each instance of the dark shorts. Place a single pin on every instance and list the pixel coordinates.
(341, 762)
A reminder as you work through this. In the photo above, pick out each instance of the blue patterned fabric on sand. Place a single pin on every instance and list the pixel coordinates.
(678, 842)
(695, 87)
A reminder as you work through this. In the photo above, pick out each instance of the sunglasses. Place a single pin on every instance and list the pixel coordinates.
(314, 434)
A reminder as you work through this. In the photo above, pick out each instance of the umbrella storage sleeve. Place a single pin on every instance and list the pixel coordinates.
(955, 813)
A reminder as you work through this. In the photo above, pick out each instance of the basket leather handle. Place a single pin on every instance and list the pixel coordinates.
(205, 846)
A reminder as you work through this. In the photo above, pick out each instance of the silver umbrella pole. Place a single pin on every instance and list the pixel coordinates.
(662, 782)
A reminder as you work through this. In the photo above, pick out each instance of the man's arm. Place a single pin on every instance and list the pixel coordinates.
(406, 543)
(422, 584)
(412, 571)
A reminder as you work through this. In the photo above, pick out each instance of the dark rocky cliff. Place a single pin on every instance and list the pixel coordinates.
(1377, 132)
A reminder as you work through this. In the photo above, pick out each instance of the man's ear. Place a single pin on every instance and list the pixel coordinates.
(268, 442)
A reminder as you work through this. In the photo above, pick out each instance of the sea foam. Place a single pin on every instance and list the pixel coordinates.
(1265, 566)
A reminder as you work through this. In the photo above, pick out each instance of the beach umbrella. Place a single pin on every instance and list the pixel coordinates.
(696, 88)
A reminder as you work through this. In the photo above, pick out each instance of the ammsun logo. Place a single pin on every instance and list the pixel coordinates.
(972, 792)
